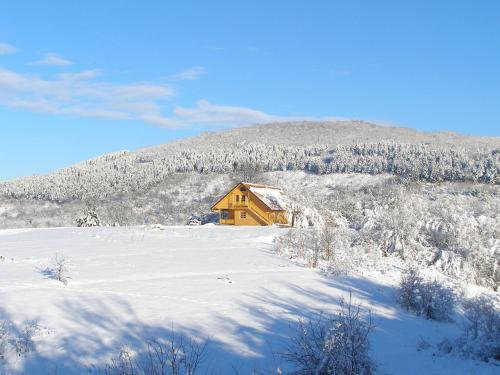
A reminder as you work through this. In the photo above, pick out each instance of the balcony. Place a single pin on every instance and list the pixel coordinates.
(238, 204)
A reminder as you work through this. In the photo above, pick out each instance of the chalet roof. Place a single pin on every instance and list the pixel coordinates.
(248, 184)
(271, 196)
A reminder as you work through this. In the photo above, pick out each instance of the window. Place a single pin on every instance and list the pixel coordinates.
(224, 214)
(243, 198)
(243, 215)
(237, 198)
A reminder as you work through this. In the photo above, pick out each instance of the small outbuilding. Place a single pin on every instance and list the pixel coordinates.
(252, 204)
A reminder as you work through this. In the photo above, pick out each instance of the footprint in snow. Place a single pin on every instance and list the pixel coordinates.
(225, 278)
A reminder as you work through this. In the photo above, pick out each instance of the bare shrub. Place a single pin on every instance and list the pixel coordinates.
(247, 172)
(123, 364)
(19, 343)
(60, 266)
(23, 343)
(481, 330)
(301, 244)
(429, 299)
(332, 345)
(292, 244)
(327, 247)
(4, 340)
(58, 269)
(173, 356)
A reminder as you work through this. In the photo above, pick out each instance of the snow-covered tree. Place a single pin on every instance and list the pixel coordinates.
(89, 218)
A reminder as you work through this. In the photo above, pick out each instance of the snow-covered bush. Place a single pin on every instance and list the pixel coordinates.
(481, 331)
(330, 247)
(24, 342)
(175, 356)
(438, 301)
(429, 299)
(89, 218)
(17, 343)
(408, 293)
(123, 364)
(487, 269)
(336, 344)
(324, 247)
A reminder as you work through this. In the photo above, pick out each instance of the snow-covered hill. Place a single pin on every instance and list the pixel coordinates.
(171, 182)
(226, 284)
(332, 147)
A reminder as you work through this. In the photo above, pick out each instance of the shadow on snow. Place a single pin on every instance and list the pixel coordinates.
(251, 341)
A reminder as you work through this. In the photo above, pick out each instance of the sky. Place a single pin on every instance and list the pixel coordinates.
(82, 78)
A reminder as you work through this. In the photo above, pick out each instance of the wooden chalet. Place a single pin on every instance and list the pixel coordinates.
(252, 204)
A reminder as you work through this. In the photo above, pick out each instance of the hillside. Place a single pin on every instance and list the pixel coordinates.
(320, 148)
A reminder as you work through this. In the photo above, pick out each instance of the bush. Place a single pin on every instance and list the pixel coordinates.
(175, 356)
(486, 270)
(89, 218)
(21, 343)
(332, 345)
(59, 269)
(481, 332)
(429, 299)
(4, 340)
(408, 294)
(438, 301)
(24, 343)
(326, 247)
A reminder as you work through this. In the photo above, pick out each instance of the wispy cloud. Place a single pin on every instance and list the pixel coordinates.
(86, 94)
(80, 95)
(339, 73)
(52, 59)
(206, 113)
(189, 74)
(85, 74)
(6, 49)
(214, 48)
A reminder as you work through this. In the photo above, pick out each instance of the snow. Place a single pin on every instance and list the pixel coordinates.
(272, 197)
(129, 284)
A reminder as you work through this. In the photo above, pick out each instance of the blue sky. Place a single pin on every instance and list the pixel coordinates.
(83, 78)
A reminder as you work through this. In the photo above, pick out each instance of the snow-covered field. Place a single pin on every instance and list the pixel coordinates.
(225, 284)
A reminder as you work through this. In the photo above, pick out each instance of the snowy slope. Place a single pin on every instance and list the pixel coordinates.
(316, 147)
(225, 283)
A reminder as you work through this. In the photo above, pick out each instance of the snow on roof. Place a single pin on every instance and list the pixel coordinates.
(270, 196)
